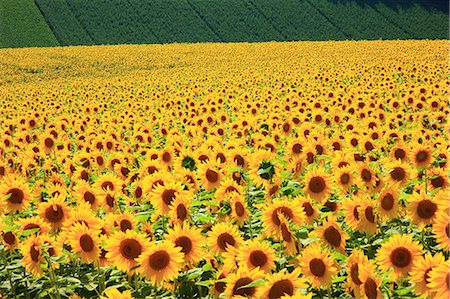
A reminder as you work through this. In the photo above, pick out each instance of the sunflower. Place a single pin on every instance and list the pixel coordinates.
(388, 206)
(237, 281)
(211, 174)
(367, 216)
(227, 186)
(124, 248)
(223, 235)
(421, 270)
(331, 234)
(398, 173)
(32, 257)
(54, 211)
(34, 222)
(263, 167)
(441, 230)
(257, 253)
(354, 262)
(290, 242)
(437, 179)
(239, 157)
(421, 155)
(82, 214)
(291, 209)
(161, 262)
(10, 240)
(179, 209)
(439, 280)
(188, 177)
(309, 208)
(366, 175)
(111, 293)
(317, 266)
(399, 253)
(162, 197)
(239, 210)
(84, 242)
(422, 209)
(108, 182)
(125, 221)
(281, 284)
(399, 152)
(14, 193)
(84, 192)
(189, 239)
(294, 148)
(317, 185)
(370, 282)
(220, 281)
(344, 179)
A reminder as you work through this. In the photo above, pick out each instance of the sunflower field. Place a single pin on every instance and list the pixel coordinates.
(266, 170)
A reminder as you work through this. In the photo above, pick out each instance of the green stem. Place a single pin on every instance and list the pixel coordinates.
(101, 278)
(250, 227)
(53, 279)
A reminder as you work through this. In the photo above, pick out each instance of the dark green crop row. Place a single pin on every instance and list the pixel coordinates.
(86, 22)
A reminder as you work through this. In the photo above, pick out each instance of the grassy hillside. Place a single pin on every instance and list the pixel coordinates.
(21, 25)
(86, 22)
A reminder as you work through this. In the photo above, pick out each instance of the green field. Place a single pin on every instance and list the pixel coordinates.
(87, 22)
(22, 25)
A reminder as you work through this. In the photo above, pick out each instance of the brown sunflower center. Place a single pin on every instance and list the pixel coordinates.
(297, 148)
(317, 184)
(401, 257)
(240, 210)
(166, 157)
(366, 175)
(54, 213)
(447, 280)
(281, 288)
(107, 185)
(426, 209)
(31, 226)
(34, 254)
(89, 197)
(398, 174)
(138, 192)
(422, 156)
(9, 238)
(84, 176)
(437, 182)
(308, 208)
(86, 243)
(370, 289)
(447, 230)
(239, 160)
(317, 267)
(355, 212)
(125, 225)
(220, 286)
(399, 154)
(354, 274)
(285, 233)
(168, 196)
(110, 200)
(182, 212)
(426, 275)
(387, 202)
(185, 243)
(130, 249)
(332, 235)
(368, 212)
(159, 260)
(212, 176)
(48, 142)
(345, 179)
(258, 258)
(287, 212)
(245, 292)
(225, 239)
(16, 196)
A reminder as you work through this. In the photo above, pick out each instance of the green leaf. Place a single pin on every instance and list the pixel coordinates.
(253, 284)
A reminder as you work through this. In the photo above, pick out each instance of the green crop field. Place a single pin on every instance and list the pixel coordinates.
(21, 25)
(87, 22)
